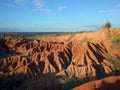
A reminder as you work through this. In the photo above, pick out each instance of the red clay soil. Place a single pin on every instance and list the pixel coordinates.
(109, 83)
(81, 55)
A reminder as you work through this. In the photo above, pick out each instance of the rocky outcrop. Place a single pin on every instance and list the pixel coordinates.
(35, 57)
(89, 60)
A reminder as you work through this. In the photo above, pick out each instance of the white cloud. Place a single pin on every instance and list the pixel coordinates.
(61, 8)
(39, 3)
(21, 2)
(111, 11)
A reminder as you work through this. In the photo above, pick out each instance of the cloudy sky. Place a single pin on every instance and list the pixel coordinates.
(57, 15)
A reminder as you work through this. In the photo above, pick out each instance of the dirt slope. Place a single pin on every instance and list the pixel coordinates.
(109, 83)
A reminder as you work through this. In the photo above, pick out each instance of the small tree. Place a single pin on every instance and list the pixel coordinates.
(108, 26)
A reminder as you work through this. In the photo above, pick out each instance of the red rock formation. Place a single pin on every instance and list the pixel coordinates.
(80, 58)
(35, 58)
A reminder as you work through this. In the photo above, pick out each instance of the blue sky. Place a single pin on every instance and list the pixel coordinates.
(57, 15)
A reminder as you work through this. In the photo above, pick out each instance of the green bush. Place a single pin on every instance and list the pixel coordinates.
(69, 83)
(116, 39)
(115, 43)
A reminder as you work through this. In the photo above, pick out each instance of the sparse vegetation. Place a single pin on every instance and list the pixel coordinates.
(116, 39)
(69, 83)
(115, 43)
(115, 62)
(53, 83)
